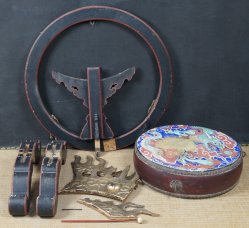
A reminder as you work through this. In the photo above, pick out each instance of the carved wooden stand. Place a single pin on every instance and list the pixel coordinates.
(55, 156)
(19, 201)
(30, 152)
(95, 92)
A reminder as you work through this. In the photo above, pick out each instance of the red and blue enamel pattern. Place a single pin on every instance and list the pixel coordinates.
(188, 161)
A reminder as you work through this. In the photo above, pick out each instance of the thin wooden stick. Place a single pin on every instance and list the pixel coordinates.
(98, 221)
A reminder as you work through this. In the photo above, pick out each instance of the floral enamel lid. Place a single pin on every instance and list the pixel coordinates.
(188, 148)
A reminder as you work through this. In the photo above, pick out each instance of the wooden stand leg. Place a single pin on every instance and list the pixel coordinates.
(19, 200)
(55, 156)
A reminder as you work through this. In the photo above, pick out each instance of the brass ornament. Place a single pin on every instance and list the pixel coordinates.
(92, 179)
(117, 211)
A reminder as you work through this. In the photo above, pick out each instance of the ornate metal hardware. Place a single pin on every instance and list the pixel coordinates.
(100, 180)
(117, 211)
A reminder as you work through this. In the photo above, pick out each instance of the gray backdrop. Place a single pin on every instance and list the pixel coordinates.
(208, 41)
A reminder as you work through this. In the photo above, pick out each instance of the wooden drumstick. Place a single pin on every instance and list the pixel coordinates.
(138, 219)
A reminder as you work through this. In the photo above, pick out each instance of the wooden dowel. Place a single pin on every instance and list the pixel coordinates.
(98, 221)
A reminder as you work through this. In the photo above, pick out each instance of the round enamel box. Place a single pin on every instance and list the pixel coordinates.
(188, 161)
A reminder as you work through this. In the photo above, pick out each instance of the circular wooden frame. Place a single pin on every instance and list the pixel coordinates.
(97, 13)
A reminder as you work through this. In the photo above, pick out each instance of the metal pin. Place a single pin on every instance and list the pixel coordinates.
(71, 209)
